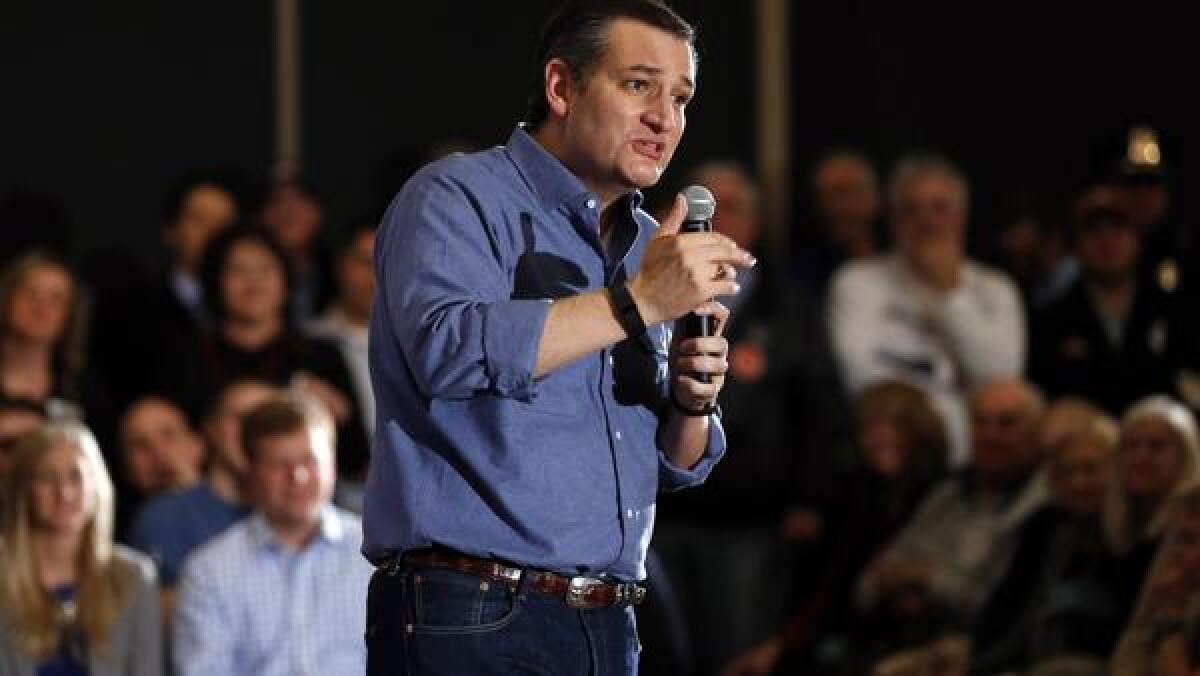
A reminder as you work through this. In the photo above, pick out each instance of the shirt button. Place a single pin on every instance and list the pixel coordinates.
(611, 361)
(618, 436)
(629, 514)
(591, 204)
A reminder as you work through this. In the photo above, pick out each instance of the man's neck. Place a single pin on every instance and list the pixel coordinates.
(296, 536)
(550, 138)
(251, 335)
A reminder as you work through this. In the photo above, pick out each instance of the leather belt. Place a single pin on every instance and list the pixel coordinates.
(577, 591)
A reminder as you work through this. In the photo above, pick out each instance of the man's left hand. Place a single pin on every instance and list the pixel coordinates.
(703, 354)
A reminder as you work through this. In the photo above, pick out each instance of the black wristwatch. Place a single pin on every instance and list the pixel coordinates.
(629, 315)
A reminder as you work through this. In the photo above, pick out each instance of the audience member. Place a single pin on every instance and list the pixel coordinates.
(1158, 456)
(1112, 338)
(344, 322)
(42, 340)
(246, 278)
(293, 213)
(173, 524)
(71, 602)
(845, 220)
(284, 590)
(1033, 249)
(902, 447)
(937, 574)
(926, 314)
(200, 205)
(143, 315)
(1164, 634)
(1138, 173)
(1067, 592)
(161, 450)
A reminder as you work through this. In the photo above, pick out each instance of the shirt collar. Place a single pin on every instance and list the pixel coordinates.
(331, 530)
(550, 179)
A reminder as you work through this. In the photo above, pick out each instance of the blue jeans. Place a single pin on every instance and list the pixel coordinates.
(422, 622)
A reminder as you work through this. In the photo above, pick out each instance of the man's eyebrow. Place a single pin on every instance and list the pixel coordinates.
(657, 71)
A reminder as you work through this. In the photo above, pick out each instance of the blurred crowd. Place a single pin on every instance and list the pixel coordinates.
(938, 465)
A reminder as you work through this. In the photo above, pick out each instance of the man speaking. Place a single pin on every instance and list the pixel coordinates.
(531, 398)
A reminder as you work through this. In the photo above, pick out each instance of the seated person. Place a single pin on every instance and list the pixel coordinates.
(1163, 637)
(902, 445)
(172, 524)
(1067, 593)
(71, 602)
(940, 570)
(160, 453)
(284, 590)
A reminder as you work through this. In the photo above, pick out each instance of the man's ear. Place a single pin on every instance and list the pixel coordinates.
(559, 87)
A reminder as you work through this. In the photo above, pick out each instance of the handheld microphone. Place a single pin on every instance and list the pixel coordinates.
(701, 205)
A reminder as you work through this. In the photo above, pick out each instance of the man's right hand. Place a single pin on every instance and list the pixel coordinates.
(680, 273)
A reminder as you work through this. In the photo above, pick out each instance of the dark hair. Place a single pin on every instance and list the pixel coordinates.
(226, 180)
(578, 34)
(212, 264)
(283, 415)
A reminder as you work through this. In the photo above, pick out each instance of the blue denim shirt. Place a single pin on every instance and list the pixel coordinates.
(471, 451)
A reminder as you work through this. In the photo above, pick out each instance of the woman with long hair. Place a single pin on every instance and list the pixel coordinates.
(71, 602)
(246, 278)
(1158, 456)
(41, 330)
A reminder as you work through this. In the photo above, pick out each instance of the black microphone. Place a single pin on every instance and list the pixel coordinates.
(701, 205)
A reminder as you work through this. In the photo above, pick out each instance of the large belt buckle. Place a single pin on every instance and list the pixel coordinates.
(577, 589)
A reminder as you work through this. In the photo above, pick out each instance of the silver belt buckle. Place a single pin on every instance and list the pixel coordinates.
(577, 588)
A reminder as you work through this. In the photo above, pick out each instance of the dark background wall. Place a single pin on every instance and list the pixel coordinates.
(105, 102)
(1019, 93)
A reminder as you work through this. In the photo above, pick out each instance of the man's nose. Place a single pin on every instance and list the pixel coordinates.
(660, 116)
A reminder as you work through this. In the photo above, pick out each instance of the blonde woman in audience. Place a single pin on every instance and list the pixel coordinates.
(1157, 457)
(71, 602)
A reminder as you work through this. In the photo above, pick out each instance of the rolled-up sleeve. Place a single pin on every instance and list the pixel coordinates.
(672, 477)
(446, 284)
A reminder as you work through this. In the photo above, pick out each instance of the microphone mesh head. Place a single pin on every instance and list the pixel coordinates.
(701, 205)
